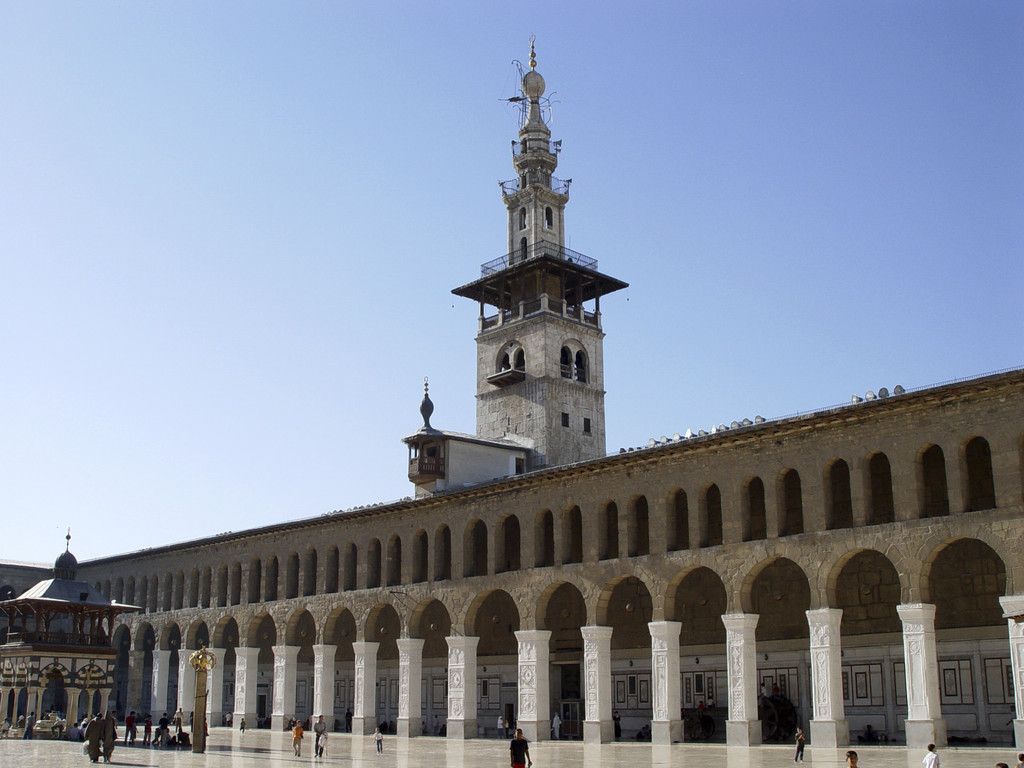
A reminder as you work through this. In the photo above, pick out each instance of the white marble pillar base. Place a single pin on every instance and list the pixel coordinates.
(830, 734)
(598, 733)
(1018, 733)
(743, 733)
(670, 732)
(921, 733)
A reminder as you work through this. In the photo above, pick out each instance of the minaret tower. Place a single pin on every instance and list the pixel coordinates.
(540, 362)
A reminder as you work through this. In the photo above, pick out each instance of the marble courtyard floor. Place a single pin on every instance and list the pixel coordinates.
(264, 749)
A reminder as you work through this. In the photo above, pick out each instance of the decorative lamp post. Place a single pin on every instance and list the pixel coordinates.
(202, 661)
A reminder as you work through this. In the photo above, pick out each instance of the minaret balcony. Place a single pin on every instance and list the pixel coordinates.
(537, 251)
(423, 467)
(558, 186)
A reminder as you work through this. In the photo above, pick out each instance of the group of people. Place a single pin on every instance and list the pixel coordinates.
(319, 737)
(25, 723)
(100, 734)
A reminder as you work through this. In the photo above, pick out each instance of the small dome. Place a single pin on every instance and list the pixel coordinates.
(66, 566)
(533, 85)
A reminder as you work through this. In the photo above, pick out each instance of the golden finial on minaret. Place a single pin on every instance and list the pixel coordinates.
(533, 56)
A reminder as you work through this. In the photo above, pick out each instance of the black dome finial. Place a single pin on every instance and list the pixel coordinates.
(426, 407)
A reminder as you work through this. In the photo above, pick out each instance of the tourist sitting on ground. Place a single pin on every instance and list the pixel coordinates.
(5, 728)
(870, 736)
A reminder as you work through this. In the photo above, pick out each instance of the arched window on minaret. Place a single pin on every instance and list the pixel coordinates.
(549, 218)
(522, 249)
(581, 367)
(506, 364)
(520, 360)
(522, 218)
(566, 363)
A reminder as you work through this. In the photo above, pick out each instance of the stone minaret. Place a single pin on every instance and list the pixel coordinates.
(540, 363)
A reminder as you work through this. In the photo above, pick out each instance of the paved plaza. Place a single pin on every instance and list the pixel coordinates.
(264, 749)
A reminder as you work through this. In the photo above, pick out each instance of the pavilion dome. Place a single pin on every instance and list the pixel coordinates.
(66, 566)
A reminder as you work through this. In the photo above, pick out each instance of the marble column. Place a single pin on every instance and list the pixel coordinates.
(667, 723)
(246, 680)
(5, 697)
(186, 686)
(71, 694)
(1013, 605)
(104, 700)
(136, 666)
(742, 729)
(597, 685)
(323, 683)
(285, 667)
(410, 683)
(161, 669)
(215, 687)
(364, 710)
(924, 723)
(462, 687)
(829, 728)
(534, 689)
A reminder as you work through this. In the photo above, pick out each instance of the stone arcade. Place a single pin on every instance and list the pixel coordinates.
(864, 562)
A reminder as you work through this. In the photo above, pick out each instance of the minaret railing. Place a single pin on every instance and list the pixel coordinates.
(537, 251)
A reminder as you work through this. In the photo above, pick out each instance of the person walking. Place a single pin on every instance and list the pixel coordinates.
(109, 735)
(297, 734)
(931, 757)
(130, 729)
(29, 722)
(378, 737)
(519, 751)
(241, 726)
(801, 742)
(147, 731)
(320, 731)
(348, 720)
(556, 727)
(93, 735)
(851, 759)
(1020, 760)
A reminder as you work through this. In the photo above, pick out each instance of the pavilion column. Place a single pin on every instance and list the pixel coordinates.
(285, 666)
(136, 666)
(597, 676)
(71, 692)
(104, 700)
(1013, 605)
(364, 711)
(215, 684)
(829, 728)
(462, 687)
(161, 669)
(667, 723)
(534, 709)
(924, 717)
(323, 683)
(410, 674)
(186, 687)
(742, 729)
(246, 680)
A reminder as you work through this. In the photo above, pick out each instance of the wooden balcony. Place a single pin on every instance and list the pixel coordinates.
(425, 467)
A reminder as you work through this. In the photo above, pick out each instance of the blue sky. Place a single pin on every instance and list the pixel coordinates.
(229, 231)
